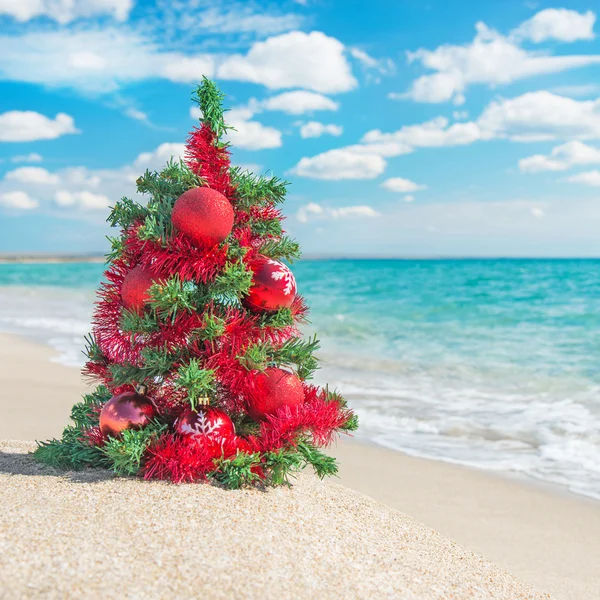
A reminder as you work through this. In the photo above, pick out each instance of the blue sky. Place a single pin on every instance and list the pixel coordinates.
(406, 127)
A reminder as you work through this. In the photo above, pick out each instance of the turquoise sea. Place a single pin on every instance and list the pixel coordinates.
(488, 363)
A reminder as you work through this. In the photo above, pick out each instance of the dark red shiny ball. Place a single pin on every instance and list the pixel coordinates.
(274, 388)
(134, 290)
(273, 285)
(206, 421)
(203, 215)
(126, 411)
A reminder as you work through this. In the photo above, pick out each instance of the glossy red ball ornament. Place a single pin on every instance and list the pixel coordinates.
(129, 410)
(134, 290)
(273, 285)
(206, 422)
(242, 445)
(274, 388)
(204, 215)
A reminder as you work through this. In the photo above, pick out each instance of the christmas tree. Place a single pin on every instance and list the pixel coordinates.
(202, 372)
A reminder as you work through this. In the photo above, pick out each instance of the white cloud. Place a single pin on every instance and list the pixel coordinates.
(343, 163)
(251, 135)
(490, 58)
(313, 61)
(384, 66)
(538, 116)
(431, 134)
(409, 198)
(248, 134)
(399, 184)
(561, 158)
(537, 212)
(185, 69)
(136, 114)
(312, 211)
(99, 61)
(155, 160)
(591, 178)
(84, 199)
(535, 116)
(87, 192)
(314, 129)
(460, 115)
(65, 11)
(298, 102)
(27, 126)
(33, 175)
(243, 20)
(577, 91)
(32, 157)
(559, 24)
(18, 200)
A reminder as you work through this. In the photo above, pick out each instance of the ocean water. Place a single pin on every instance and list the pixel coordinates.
(488, 363)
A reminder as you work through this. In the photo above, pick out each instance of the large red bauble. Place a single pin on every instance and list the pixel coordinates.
(274, 388)
(126, 411)
(273, 285)
(204, 215)
(134, 290)
(207, 421)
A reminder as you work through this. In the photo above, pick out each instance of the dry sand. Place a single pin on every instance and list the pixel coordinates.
(89, 536)
(547, 539)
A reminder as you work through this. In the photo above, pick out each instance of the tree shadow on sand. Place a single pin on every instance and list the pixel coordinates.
(19, 463)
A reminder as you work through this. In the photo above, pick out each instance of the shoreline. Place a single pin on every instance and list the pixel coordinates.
(521, 478)
(549, 538)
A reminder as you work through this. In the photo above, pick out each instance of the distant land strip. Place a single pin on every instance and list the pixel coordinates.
(51, 258)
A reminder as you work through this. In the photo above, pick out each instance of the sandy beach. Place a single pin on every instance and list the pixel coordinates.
(322, 535)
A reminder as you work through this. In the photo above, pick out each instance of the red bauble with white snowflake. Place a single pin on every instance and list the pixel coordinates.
(273, 285)
(135, 286)
(273, 389)
(204, 216)
(205, 423)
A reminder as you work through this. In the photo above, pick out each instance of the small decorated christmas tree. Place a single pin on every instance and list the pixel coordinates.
(202, 371)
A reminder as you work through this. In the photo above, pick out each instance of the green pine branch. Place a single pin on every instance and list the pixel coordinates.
(238, 471)
(212, 329)
(232, 283)
(92, 350)
(277, 319)
(85, 413)
(125, 453)
(210, 101)
(125, 213)
(156, 362)
(169, 298)
(281, 248)
(283, 464)
(117, 246)
(197, 381)
(258, 190)
(135, 323)
(324, 466)
(70, 452)
(266, 227)
(293, 352)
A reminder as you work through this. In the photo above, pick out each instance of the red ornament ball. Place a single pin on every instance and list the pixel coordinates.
(274, 388)
(126, 411)
(134, 290)
(273, 285)
(204, 215)
(206, 422)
